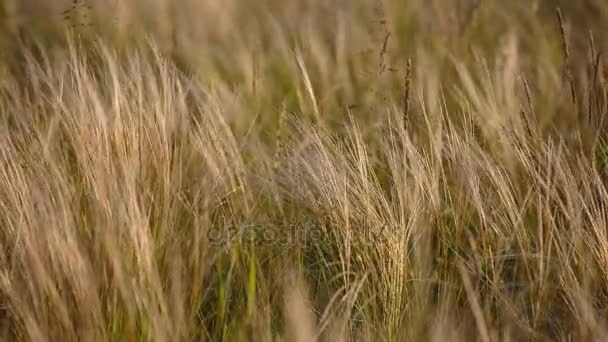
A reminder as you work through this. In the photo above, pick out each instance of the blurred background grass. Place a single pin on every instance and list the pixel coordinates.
(354, 51)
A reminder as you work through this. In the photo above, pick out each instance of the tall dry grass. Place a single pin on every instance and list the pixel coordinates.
(302, 171)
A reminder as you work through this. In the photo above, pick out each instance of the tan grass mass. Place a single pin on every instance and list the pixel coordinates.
(296, 170)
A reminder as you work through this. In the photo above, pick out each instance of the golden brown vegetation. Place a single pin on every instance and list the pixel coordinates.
(303, 170)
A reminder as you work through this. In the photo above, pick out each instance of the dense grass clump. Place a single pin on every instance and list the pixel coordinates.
(303, 170)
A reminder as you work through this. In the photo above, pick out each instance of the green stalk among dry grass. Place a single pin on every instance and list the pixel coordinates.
(303, 171)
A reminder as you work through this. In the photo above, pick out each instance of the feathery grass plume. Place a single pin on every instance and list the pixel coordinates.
(566, 51)
(528, 111)
(78, 17)
(407, 92)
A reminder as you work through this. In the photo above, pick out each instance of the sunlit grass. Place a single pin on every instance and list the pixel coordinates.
(302, 170)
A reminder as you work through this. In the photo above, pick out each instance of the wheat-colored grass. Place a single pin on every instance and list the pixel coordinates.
(297, 170)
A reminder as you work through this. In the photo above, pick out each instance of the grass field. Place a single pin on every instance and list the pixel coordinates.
(300, 170)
